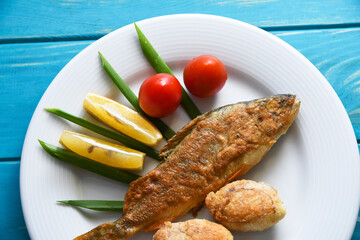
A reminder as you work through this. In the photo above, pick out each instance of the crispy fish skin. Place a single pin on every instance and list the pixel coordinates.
(202, 157)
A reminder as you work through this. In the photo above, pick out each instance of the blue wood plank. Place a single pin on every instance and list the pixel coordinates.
(90, 19)
(336, 53)
(356, 233)
(12, 224)
(26, 70)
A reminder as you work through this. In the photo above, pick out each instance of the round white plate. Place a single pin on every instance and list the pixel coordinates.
(315, 167)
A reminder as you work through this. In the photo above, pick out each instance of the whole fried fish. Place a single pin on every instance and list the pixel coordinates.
(202, 157)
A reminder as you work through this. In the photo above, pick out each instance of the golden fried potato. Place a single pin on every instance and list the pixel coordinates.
(246, 206)
(195, 229)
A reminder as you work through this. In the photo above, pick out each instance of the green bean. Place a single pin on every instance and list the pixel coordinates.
(161, 67)
(97, 205)
(127, 141)
(88, 164)
(166, 131)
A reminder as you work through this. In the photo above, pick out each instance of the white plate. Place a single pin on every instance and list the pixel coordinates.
(315, 167)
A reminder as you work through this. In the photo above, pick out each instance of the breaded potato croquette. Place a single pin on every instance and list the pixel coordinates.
(195, 229)
(246, 205)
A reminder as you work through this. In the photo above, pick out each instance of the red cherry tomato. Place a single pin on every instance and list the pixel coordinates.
(160, 95)
(204, 76)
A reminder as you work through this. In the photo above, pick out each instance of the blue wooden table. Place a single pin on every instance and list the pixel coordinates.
(37, 38)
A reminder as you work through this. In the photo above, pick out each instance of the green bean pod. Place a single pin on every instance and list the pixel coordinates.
(96, 205)
(125, 140)
(88, 164)
(165, 130)
(161, 67)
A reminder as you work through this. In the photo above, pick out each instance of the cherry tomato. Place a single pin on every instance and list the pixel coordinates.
(204, 76)
(160, 95)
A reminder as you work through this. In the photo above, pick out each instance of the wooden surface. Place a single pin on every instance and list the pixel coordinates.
(37, 38)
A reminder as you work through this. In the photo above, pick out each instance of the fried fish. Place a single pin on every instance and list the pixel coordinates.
(212, 150)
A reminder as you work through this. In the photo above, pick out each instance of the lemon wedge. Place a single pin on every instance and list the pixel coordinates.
(102, 151)
(122, 118)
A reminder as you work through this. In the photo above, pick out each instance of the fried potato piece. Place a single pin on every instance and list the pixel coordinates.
(246, 205)
(195, 229)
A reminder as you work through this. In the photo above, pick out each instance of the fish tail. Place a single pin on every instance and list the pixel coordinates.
(119, 229)
(106, 231)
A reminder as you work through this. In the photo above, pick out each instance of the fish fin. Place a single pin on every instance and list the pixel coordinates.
(242, 170)
(195, 210)
(156, 226)
(180, 135)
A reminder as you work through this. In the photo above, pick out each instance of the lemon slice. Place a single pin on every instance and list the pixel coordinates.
(102, 151)
(122, 118)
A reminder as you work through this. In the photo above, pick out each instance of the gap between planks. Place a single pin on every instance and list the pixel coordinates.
(10, 160)
(97, 36)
